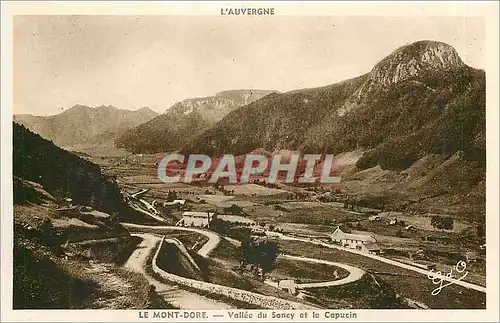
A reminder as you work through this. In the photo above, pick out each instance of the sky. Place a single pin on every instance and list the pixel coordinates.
(135, 61)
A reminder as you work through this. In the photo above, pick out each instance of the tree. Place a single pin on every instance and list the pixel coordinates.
(447, 223)
(114, 220)
(442, 222)
(480, 230)
(172, 195)
(268, 253)
(436, 221)
(233, 209)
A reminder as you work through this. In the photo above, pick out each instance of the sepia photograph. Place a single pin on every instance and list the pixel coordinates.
(247, 160)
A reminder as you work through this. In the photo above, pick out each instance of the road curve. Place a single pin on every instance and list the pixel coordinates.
(392, 262)
(212, 243)
(354, 272)
(180, 298)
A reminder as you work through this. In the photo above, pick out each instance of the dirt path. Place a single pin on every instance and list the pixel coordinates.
(177, 297)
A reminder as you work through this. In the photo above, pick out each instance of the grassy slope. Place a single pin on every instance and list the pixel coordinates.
(47, 274)
(45, 279)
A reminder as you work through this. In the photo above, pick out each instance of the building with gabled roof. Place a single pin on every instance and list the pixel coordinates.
(354, 241)
(195, 219)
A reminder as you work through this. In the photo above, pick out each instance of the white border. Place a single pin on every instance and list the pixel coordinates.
(488, 10)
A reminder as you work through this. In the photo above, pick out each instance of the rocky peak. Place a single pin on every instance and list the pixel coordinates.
(217, 106)
(410, 61)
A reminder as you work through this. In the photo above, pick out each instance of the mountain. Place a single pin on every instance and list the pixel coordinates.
(422, 93)
(183, 120)
(420, 105)
(82, 125)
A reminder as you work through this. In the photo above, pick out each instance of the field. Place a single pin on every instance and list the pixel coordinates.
(77, 276)
(305, 272)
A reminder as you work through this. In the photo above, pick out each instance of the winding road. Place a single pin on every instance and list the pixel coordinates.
(354, 272)
(180, 298)
(392, 262)
(214, 240)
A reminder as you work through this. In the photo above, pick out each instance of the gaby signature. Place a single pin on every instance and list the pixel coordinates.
(438, 278)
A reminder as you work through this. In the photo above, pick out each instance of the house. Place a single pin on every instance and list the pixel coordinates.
(420, 254)
(374, 218)
(409, 227)
(273, 235)
(393, 221)
(471, 256)
(435, 239)
(372, 248)
(353, 241)
(287, 285)
(68, 201)
(195, 219)
(174, 203)
(257, 230)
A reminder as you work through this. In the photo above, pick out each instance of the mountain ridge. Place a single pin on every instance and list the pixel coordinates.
(81, 124)
(184, 119)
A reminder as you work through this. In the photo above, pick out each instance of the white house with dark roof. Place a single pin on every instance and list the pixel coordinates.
(175, 202)
(360, 242)
(195, 219)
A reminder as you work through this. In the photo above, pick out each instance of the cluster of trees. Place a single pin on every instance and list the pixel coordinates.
(262, 254)
(442, 222)
(266, 184)
(172, 195)
(221, 188)
(233, 209)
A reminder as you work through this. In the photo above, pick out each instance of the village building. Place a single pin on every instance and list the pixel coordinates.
(195, 219)
(175, 202)
(472, 256)
(258, 230)
(372, 248)
(359, 242)
(287, 285)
